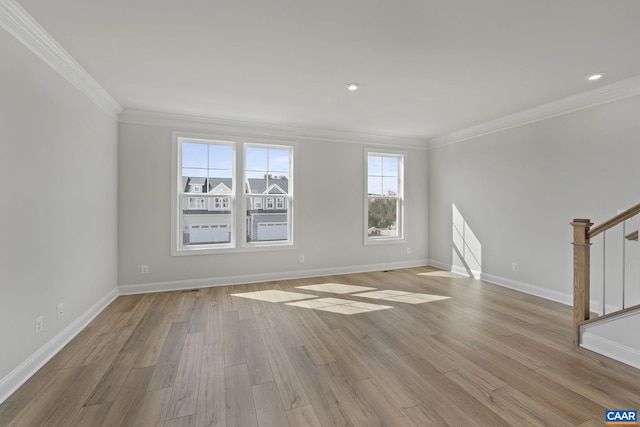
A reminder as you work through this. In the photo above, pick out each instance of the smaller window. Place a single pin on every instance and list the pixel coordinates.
(196, 189)
(269, 203)
(196, 202)
(257, 202)
(280, 203)
(220, 203)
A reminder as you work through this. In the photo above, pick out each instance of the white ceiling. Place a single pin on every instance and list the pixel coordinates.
(426, 67)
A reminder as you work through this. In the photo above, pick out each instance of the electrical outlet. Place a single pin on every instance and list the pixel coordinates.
(301, 259)
(39, 324)
(515, 266)
(144, 269)
(60, 310)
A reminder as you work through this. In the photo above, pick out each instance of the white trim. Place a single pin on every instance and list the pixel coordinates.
(12, 381)
(612, 349)
(25, 29)
(527, 288)
(613, 92)
(176, 285)
(280, 132)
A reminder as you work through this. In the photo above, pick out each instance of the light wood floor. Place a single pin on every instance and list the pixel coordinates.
(279, 355)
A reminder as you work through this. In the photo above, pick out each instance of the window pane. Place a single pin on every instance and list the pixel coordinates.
(278, 161)
(390, 186)
(194, 155)
(383, 218)
(207, 169)
(375, 165)
(375, 186)
(256, 159)
(267, 179)
(220, 157)
(390, 166)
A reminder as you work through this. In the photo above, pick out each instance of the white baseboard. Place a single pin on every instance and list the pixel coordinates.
(177, 285)
(508, 283)
(26, 369)
(612, 349)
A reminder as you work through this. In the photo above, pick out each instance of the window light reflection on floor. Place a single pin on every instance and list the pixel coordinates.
(335, 288)
(401, 296)
(338, 305)
(274, 295)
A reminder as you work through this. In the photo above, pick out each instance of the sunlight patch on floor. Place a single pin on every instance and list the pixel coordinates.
(338, 305)
(402, 296)
(335, 288)
(274, 295)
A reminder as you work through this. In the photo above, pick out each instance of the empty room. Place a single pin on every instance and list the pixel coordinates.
(354, 213)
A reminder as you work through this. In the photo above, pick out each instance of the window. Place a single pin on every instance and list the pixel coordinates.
(385, 196)
(196, 203)
(220, 203)
(206, 167)
(268, 170)
(207, 190)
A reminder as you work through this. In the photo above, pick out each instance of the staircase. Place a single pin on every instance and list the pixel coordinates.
(606, 293)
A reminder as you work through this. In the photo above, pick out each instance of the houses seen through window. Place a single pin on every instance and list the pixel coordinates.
(213, 220)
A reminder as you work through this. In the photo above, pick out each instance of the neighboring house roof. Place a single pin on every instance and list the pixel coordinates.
(222, 185)
(268, 185)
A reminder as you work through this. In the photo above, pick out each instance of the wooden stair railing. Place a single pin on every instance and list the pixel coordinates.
(582, 235)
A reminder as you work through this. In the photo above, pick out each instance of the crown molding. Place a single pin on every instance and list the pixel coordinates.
(613, 92)
(23, 27)
(262, 130)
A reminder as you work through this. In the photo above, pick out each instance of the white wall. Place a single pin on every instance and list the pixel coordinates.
(58, 215)
(518, 190)
(329, 205)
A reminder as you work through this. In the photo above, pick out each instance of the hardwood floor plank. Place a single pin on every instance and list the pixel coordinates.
(359, 412)
(184, 399)
(234, 353)
(383, 406)
(40, 408)
(153, 408)
(380, 368)
(10, 409)
(124, 409)
(166, 368)
(212, 410)
(186, 421)
(303, 416)
(325, 404)
(291, 390)
(255, 353)
(241, 410)
(269, 410)
(90, 415)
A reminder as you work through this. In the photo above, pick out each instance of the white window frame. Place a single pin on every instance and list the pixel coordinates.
(400, 197)
(238, 201)
(196, 189)
(289, 242)
(279, 203)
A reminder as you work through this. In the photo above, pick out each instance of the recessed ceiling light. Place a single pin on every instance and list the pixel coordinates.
(593, 77)
(353, 86)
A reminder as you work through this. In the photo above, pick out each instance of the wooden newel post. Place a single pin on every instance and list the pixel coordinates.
(581, 267)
